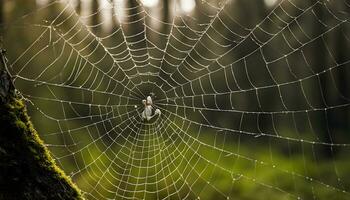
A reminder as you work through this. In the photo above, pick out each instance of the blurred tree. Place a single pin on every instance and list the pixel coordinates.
(78, 8)
(321, 62)
(114, 18)
(95, 19)
(166, 14)
(1, 21)
(1, 12)
(341, 78)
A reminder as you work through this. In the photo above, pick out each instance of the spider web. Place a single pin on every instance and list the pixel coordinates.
(224, 82)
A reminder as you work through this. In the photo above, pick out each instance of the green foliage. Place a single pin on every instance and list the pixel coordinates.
(27, 169)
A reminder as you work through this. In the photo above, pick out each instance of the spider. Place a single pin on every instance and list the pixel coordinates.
(147, 113)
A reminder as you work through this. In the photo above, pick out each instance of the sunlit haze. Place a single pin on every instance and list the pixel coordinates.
(150, 3)
(187, 5)
(270, 3)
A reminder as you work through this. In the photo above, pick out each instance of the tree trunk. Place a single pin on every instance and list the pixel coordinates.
(78, 8)
(96, 16)
(27, 168)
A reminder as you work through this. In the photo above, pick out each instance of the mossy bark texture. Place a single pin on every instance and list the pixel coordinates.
(27, 171)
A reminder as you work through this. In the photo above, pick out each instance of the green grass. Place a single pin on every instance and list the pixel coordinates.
(222, 175)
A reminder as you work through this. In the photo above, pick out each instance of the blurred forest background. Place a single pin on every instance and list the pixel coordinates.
(270, 121)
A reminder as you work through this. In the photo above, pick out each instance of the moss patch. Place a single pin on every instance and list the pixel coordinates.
(27, 171)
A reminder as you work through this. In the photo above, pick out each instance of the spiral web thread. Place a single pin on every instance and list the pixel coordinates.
(84, 84)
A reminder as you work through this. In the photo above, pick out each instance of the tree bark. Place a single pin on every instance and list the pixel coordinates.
(27, 168)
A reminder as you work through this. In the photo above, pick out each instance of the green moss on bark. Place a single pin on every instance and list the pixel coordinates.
(27, 171)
